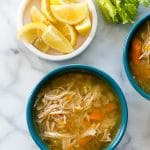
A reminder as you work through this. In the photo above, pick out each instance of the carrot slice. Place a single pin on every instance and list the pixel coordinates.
(68, 97)
(96, 115)
(136, 46)
(110, 107)
(85, 140)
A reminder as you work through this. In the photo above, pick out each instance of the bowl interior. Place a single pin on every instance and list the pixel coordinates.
(78, 68)
(84, 45)
(126, 56)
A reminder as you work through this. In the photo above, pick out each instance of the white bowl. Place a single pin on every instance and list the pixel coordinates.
(65, 56)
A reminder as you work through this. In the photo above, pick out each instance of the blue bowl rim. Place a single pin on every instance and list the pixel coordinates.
(77, 67)
(125, 56)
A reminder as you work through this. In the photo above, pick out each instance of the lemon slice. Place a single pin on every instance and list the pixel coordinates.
(84, 27)
(55, 2)
(70, 13)
(55, 39)
(31, 32)
(58, 2)
(68, 31)
(45, 9)
(39, 44)
(37, 16)
(70, 1)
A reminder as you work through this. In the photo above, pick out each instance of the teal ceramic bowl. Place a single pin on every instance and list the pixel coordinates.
(70, 68)
(126, 56)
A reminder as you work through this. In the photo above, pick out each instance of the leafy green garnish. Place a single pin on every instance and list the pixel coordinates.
(121, 11)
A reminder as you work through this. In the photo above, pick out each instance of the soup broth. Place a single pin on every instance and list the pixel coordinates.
(139, 56)
(77, 111)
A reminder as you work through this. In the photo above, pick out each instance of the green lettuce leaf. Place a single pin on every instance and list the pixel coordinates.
(109, 10)
(123, 11)
(144, 2)
(132, 10)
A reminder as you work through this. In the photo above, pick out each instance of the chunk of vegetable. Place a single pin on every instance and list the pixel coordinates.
(110, 107)
(85, 140)
(121, 11)
(96, 115)
(109, 10)
(136, 47)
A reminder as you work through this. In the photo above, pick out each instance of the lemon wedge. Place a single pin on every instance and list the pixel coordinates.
(45, 9)
(37, 16)
(55, 2)
(68, 31)
(55, 39)
(84, 27)
(31, 32)
(70, 1)
(71, 14)
(58, 2)
(39, 44)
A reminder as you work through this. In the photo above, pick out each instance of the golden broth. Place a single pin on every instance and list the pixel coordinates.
(139, 58)
(77, 111)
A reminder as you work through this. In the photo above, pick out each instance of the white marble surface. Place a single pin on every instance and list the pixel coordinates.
(20, 71)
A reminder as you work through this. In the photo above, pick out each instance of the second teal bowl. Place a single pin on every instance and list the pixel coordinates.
(126, 57)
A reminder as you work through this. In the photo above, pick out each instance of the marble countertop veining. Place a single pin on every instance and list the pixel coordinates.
(20, 70)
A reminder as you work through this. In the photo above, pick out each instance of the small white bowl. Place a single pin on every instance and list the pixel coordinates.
(85, 44)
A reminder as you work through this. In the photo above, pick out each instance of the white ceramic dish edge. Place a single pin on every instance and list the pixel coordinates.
(59, 57)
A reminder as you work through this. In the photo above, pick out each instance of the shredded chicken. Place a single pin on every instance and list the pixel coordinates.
(90, 97)
(106, 136)
(52, 126)
(49, 111)
(65, 143)
(54, 97)
(89, 132)
(57, 135)
(58, 113)
(47, 125)
(65, 119)
(146, 46)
